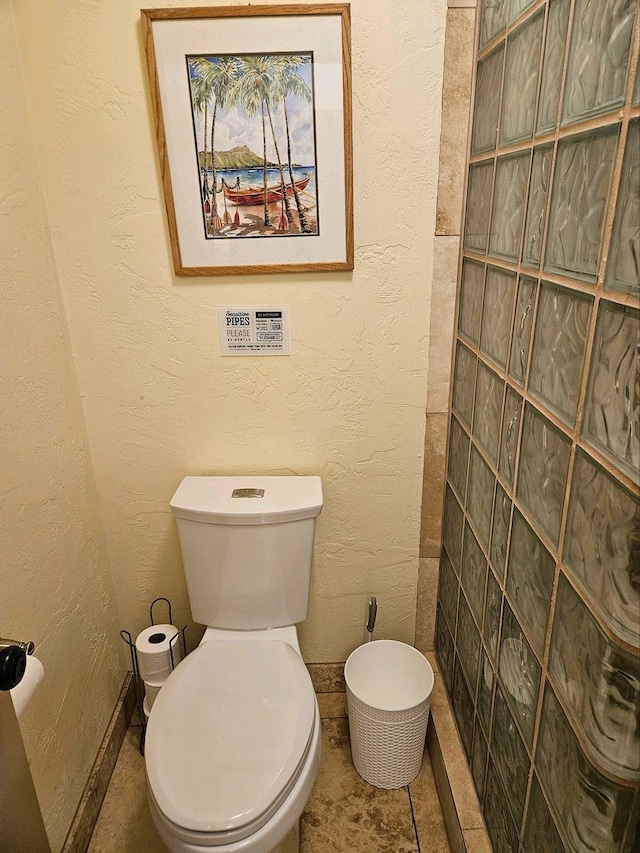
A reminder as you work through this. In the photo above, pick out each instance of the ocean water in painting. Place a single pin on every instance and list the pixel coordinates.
(254, 144)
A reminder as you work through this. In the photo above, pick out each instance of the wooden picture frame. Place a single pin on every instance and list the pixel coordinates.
(252, 107)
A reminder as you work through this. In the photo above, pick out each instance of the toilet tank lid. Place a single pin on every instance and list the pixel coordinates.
(247, 499)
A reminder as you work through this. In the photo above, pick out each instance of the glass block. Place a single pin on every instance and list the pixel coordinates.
(521, 81)
(448, 592)
(500, 532)
(600, 684)
(480, 496)
(492, 611)
(486, 682)
(519, 672)
(509, 195)
(452, 527)
(468, 644)
(510, 432)
(530, 575)
(464, 383)
(510, 756)
(497, 314)
(476, 223)
(471, 291)
(527, 289)
(623, 272)
(590, 811)
(488, 410)
(559, 341)
(444, 649)
(479, 759)
(581, 186)
(517, 7)
(552, 65)
(598, 58)
(458, 458)
(542, 472)
(493, 21)
(602, 545)
(485, 115)
(474, 573)
(635, 98)
(500, 825)
(462, 702)
(537, 206)
(540, 831)
(612, 410)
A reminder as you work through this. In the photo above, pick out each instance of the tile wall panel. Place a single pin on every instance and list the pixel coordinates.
(538, 623)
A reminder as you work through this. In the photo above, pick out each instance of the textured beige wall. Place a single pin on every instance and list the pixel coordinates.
(349, 404)
(56, 588)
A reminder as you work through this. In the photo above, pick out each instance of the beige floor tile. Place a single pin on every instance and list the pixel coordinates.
(332, 705)
(427, 812)
(344, 813)
(124, 824)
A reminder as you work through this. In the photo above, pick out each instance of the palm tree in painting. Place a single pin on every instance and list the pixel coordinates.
(219, 77)
(252, 92)
(257, 90)
(200, 101)
(287, 82)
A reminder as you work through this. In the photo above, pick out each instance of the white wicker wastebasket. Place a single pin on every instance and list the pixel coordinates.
(389, 688)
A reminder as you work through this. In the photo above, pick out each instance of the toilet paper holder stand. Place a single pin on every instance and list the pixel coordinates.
(137, 679)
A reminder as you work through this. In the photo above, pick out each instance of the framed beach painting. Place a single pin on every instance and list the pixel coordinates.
(252, 106)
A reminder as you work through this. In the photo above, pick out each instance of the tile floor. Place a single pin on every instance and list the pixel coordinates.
(343, 815)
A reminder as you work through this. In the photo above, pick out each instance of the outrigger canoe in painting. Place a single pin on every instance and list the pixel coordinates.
(254, 132)
(255, 195)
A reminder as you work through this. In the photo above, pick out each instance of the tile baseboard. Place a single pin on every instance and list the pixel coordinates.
(84, 821)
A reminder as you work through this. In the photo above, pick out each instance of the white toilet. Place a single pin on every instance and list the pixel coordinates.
(233, 740)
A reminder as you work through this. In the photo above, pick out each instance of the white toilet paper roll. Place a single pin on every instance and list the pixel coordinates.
(23, 692)
(154, 648)
(150, 693)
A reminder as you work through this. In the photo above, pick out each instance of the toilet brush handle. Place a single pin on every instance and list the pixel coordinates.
(373, 612)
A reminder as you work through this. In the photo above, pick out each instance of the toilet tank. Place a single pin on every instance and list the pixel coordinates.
(247, 546)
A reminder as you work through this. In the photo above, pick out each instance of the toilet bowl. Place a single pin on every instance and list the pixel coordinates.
(233, 739)
(233, 745)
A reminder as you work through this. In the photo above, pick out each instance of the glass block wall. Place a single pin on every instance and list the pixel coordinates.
(538, 617)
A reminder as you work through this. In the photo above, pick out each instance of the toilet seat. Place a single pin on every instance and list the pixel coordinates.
(227, 738)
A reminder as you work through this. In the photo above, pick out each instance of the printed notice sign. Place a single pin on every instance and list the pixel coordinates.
(254, 331)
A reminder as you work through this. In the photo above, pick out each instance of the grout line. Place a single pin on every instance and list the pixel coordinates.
(413, 819)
